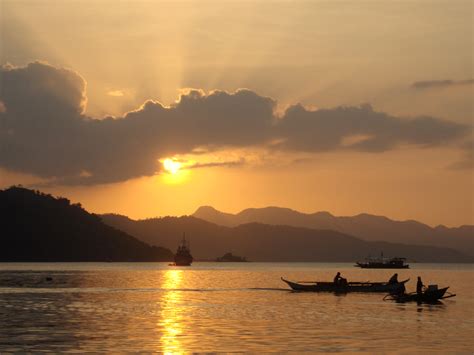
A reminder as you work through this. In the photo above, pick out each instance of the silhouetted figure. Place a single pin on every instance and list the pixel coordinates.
(339, 280)
(393, 279)
(419, 286)
(402, 289)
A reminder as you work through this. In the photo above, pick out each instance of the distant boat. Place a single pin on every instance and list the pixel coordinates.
(383, 263)
(318, 286)
(183, 255)
(229, 257)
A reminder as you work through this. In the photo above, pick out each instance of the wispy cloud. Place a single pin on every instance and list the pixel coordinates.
(116, 93)
(430, 84)
(226, 164)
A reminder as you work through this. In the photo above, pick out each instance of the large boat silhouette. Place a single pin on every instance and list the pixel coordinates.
(383, 263)
(183, 255)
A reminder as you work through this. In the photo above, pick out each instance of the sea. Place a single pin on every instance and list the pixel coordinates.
(225, 307)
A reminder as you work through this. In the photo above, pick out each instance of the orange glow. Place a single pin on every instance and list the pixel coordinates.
(293, 52)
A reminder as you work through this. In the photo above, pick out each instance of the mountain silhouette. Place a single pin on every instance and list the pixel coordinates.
(263, 242)
(40, 227)
(364, 226)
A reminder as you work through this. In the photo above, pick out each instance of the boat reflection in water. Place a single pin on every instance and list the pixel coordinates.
(171, 317)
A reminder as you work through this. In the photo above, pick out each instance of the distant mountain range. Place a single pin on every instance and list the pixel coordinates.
(263, 242)
(364, 226)
(39, 227)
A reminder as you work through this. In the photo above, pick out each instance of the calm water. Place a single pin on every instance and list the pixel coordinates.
(223, 308)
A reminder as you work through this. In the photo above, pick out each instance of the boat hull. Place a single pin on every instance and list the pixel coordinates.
(350, 287)
(183, 261)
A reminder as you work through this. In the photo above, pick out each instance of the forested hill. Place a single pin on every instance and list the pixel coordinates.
(39, 227)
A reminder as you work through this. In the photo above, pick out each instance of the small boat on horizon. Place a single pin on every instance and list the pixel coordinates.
(183, 255)
(383, 263)
(325, 286)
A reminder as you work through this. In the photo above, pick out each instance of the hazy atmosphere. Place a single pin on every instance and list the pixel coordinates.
(236, 176)
(157, 108)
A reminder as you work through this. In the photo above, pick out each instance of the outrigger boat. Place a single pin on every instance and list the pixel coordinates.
(432, 294)
(318, 286)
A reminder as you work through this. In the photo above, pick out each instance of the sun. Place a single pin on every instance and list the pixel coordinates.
(176, 171)
(171, 166)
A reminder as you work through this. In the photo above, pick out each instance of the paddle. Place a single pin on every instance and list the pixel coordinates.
(448, 296)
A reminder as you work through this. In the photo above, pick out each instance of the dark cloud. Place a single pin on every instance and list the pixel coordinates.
(325, 130)
(429, 84)
(44, 131)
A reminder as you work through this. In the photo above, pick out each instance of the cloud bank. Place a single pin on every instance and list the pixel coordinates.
(44, 130)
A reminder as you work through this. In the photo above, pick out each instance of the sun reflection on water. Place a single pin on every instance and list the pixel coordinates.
(171, 313)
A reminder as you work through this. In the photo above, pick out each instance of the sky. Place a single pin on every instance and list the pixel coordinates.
(153, 108)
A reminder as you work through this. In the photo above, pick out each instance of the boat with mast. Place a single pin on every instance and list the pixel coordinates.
(183, 255)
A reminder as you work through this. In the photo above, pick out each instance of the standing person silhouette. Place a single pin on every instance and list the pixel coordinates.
(419, 287)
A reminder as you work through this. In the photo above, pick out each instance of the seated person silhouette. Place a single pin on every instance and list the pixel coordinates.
(393, 279)
(339, 280)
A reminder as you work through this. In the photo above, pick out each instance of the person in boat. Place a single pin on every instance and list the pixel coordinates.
(339, 280)
(419, 286)
(393, 279)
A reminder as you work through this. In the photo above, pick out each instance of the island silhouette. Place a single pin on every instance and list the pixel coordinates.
(39, 227)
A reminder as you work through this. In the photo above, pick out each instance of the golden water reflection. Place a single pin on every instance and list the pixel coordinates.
(171, 315)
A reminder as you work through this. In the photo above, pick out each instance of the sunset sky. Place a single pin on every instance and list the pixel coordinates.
(153, 108)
